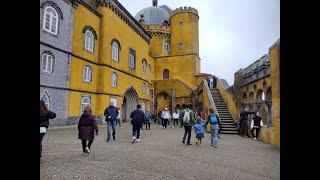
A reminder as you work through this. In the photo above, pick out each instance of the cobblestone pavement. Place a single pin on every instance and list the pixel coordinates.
(159, 155)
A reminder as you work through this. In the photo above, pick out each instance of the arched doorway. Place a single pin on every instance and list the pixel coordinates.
(130, 101)
(163, 100)
(166, 74)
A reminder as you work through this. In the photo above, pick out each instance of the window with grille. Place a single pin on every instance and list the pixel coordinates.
(144, 66)
(132, 59)
(50, 20)
(115, 50)
(114, 79)
(47, 63)
(87, 74)
(166, 46)
(85, 102)
(89, 41)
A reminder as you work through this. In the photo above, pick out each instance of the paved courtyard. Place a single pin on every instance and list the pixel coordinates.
(159, 155)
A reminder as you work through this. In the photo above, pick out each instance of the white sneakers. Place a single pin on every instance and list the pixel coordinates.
(133, 139)
(87, 150)
(255, 139)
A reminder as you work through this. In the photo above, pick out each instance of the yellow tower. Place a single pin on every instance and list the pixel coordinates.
(184, 31)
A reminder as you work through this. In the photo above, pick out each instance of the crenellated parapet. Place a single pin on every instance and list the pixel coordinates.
(158, 30)
(185, 9)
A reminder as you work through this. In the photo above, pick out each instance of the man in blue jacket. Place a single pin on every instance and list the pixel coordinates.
(111, 113)
(137, 117)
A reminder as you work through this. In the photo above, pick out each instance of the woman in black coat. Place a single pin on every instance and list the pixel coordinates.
(87, 126)
(45, 115)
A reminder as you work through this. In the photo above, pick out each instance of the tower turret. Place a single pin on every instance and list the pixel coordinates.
(184, 23)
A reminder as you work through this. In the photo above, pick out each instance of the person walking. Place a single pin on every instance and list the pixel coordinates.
(119, 118)
(160, 118)
(187, 116)
(137, 118)
(147, 119)
(244, 122)
(87, 128)
(256, 124)
(214, 120)
(45, 115)
(165, 116)
(199, 130)
(111, 113)
(175, 117)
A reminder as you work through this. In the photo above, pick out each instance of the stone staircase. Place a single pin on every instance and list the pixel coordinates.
(227, 124)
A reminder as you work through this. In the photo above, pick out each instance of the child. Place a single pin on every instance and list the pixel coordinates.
(199, 129)
(147, 117)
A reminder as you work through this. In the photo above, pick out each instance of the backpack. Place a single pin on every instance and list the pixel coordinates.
(186, 116)
(213, 119)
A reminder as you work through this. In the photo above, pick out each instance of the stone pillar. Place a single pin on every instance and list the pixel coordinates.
(274, 58)
(173, 96)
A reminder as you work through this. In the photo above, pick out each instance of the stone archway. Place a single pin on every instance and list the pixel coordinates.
(163, 100)
(130, 102)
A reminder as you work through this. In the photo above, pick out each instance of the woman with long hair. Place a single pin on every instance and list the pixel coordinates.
(45, 115)
(87, 127)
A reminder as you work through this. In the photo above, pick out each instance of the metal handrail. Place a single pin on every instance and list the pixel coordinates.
(206, 87)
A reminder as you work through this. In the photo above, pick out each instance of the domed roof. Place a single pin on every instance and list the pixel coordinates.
(154, 15)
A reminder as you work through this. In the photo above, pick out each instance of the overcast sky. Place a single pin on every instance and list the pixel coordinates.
(233, 33)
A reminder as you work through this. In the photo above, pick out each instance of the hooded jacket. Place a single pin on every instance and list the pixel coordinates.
(44, 118)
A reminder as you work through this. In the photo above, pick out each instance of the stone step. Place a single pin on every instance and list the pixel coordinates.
(223, 126)
(228, 132)
(227, 124)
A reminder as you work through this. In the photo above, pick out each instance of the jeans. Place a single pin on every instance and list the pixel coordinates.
(244, 128)
(159, 121)
(175, 121)
(136, 130)
(84, 144)
(214, 134)
(187, 130)
(257, 132)
(111, 126)
(41, 137)
(148, 124)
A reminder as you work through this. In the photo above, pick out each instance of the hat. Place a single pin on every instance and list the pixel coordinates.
(165, 108)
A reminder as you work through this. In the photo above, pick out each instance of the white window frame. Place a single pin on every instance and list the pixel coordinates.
(166, 45)
(87, 73)
(114, 79)
(148, 90)
(47, 61)
(50, 17)
(45, 95)
(115, 50)
(89, 41)
(132, 59)
(144, 66)
(85, 104)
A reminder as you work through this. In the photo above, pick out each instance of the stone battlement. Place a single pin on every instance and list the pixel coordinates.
(157, 27)
(185, 9)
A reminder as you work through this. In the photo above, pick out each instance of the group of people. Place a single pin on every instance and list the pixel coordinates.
(88, 129)
(255, 125)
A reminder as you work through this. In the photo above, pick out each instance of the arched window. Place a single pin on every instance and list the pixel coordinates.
(166, 46)
(46, 99)
(144, 66)
(115, 50)
(245, 98)
(87, 74)
(165, 74)
(263, 96)
(85, 102)
(251, 97)
(114, 79)
(47, 61)
(132, 59)
(259, 96)
(50, 20)
(89, 40)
